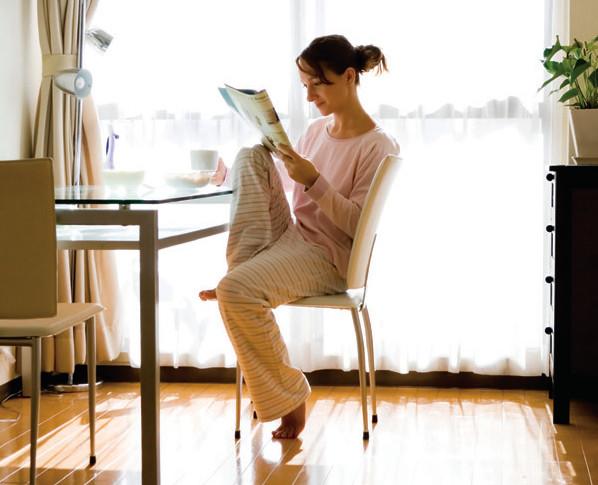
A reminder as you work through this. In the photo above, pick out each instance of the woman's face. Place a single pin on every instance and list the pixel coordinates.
(328, 98)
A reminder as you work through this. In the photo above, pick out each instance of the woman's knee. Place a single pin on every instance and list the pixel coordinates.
(231, 290)
(257, 157)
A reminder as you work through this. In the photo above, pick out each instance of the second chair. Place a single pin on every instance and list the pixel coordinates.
(28, 297)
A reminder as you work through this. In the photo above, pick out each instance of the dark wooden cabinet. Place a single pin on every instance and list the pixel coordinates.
(574, 284)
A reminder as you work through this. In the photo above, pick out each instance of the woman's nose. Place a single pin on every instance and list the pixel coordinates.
(310, 94)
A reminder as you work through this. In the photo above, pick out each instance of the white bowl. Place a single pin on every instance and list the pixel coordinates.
(129, 178)
(192, 179)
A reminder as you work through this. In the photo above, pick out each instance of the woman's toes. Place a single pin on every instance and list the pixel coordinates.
(284, 432)
(207, 295)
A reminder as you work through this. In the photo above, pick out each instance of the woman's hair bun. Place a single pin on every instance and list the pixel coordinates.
(336, 53)
(369, 57)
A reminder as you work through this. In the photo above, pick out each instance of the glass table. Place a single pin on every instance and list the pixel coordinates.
(127, 218)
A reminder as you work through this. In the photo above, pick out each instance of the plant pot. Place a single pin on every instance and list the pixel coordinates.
(584, 130)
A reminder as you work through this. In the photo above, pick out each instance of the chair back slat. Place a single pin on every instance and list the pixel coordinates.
(27, 239)
(365, 234)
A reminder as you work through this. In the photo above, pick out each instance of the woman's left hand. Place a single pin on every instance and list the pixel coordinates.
(300, 169)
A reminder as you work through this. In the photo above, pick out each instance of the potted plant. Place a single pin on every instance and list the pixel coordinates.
(577, 69)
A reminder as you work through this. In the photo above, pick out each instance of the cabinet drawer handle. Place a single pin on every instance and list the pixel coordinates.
(548, 330)
(549, 228)
(549, 279)
(550, 176)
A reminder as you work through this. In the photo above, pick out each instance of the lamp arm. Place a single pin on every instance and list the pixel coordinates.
(78, 102)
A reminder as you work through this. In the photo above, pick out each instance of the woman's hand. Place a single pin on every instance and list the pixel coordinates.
(220, 174)
(300, 169)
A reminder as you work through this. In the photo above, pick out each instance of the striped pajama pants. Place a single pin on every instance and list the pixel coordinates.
(269, 264)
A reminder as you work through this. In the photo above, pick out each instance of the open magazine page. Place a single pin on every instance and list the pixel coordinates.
(256, 107)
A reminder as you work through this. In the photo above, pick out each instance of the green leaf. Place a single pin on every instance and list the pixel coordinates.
(564, 83)
(566, 66)
(548, 81)
(593, 78)
(580, 66)
(551, 51)
(548, 65)
(568, 95)
(554, 67)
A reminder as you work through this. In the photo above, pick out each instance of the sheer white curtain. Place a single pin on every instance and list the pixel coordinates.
(457, 280)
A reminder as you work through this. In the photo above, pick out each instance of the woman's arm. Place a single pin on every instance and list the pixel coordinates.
(343, 211)
(300, 169)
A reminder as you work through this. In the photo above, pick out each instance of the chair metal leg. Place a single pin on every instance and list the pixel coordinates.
(90, 327)
(238, 384)
(36, 370)
(371, 367)
(362, 383)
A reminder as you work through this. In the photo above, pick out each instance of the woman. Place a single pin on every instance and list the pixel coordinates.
(274, 260)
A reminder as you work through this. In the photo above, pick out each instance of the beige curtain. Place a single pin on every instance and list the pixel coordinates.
(82, 275)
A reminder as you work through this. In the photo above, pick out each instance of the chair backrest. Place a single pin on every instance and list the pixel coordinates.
(27, 239)
(363, 243)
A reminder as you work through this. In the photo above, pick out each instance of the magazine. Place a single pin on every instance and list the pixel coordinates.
(257, 109)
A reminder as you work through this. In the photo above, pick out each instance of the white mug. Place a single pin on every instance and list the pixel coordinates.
(204, 160)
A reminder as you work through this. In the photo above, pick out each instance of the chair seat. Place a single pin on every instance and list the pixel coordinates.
(342, 301)
(68, 315)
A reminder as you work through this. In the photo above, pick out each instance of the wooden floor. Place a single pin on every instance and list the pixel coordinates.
(424, 436)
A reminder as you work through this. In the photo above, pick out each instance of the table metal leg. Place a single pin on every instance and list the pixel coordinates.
(150, 370)
(147, 220)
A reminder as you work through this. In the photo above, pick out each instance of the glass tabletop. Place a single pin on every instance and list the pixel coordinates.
(128, 195)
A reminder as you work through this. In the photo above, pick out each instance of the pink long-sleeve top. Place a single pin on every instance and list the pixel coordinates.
(328, 212)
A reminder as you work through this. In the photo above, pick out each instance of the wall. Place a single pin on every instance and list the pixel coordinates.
(583, 25)
(583, 19)
(20, 76)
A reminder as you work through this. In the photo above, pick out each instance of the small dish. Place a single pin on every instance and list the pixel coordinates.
(192, 179)
(128, 178)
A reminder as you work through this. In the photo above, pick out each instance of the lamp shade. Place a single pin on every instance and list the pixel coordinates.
(74, 81)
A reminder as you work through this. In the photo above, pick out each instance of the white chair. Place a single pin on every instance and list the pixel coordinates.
(354, 299)
(28, 280)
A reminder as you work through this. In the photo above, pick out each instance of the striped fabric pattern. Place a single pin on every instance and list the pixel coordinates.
(269, 264)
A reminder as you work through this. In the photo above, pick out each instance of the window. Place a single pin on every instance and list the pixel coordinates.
(456, 283)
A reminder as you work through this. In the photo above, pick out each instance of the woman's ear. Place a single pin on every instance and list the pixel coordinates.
(350, 75)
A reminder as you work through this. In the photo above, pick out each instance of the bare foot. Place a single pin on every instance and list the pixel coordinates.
(291, 424)
(206, 295)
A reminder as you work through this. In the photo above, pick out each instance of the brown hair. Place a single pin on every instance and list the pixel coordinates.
(336, 53)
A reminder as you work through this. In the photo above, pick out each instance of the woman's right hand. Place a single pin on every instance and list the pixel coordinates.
(220, 174)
